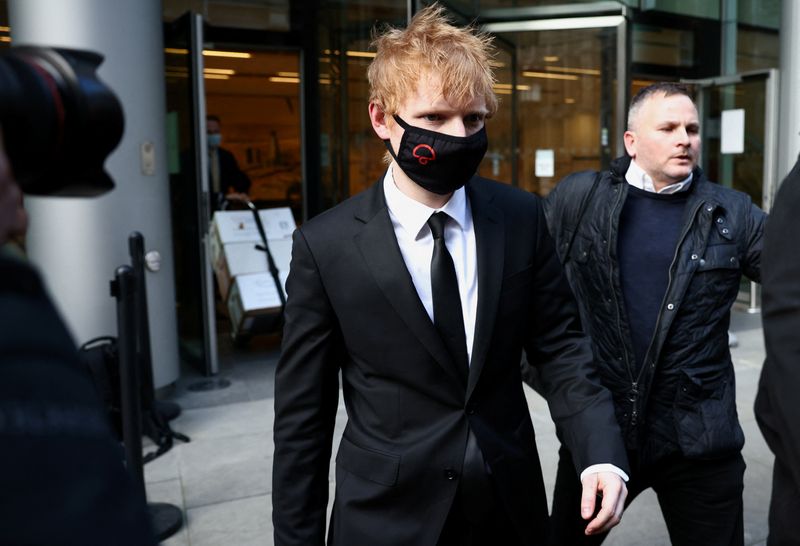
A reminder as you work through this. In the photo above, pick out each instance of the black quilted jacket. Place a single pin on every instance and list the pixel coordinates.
(683, 396)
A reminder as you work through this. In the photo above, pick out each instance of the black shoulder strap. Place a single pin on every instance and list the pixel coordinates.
(584, 204)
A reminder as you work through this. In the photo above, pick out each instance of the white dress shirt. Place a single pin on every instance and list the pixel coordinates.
(640, 179)
(410, 222)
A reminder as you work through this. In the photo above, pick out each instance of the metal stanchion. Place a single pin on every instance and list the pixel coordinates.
(166, 518)
(169, 410)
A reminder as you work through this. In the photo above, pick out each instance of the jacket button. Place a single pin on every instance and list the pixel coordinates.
(702, 262)
(720, 220)
(725, 231)
(733, 260)
(695, 256)
(450, 474)
(670, 306)
(709, 208)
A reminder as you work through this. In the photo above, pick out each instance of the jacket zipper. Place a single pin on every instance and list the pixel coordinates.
(609, 240)
(684, 233)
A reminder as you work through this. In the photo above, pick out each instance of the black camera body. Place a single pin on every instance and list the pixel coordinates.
(59, 120)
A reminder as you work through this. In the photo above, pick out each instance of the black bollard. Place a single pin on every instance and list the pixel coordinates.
(166, 518)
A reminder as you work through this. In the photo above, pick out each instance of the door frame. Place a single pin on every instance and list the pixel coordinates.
(771, 77)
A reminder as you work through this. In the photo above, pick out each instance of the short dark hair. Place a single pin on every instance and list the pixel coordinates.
(667, 89)
(212, 117)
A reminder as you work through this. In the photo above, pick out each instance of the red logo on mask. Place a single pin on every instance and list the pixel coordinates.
(424, 153)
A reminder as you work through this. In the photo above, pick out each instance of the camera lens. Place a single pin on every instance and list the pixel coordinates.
(59, 121)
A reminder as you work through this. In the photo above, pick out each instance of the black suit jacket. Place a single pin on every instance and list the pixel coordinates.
(777, 408)
(353, 308)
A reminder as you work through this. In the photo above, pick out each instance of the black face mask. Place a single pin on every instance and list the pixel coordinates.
(437, 162)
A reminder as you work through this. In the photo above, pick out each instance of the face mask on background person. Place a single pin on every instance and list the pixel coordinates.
(438, 162)
(214, 140)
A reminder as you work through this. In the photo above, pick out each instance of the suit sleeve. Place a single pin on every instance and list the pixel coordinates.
(777, 407)
(306, 400)
(580, 406)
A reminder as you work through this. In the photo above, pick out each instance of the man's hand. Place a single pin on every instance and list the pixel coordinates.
(611, 488)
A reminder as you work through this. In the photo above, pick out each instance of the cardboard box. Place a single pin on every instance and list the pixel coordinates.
(254, 297)
(233, 239)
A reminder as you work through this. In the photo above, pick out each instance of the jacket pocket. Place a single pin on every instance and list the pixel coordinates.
(705, 413)
(375, 466)
(722, 256)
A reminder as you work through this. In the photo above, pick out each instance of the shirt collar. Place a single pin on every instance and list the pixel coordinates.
(413, 215)
(640, 179)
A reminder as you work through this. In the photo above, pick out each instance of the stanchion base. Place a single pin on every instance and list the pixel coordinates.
(167, 519)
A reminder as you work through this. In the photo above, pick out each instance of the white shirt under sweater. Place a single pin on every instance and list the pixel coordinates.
(640, 179)
(410, 222)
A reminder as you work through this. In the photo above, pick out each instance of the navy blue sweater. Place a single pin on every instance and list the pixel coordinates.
(649, 226)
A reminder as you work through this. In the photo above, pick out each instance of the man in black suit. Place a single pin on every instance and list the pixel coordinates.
(422, 292)
(777, 408)
(226, 178)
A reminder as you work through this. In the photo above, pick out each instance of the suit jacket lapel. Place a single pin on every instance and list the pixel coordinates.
(490, 246)
(378, 246)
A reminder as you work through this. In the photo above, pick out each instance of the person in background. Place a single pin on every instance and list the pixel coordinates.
(227, 180)
(62, 477)
(777, 405)
(655, 253)
(422, 292)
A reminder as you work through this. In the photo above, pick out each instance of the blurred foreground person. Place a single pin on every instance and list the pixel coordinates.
(423, 291)
(62, 478)
(778, 402)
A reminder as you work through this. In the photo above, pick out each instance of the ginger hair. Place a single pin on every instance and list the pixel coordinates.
(431, 46)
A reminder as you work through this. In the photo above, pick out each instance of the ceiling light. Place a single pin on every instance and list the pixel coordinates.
(210, 53)
(367, 54)
(281, 79)
(216, 76)
(549, 76)
(550, 58)
(5, 39)
(569, 100)
(289, 74)
(223, 71)
(566, 23)
(587, 71)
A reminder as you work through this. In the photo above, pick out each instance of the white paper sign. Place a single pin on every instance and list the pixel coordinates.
(545, 164)
(732, 137)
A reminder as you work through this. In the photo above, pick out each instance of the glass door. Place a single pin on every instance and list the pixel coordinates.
(568, 91)
(738, 123)
(189, 185)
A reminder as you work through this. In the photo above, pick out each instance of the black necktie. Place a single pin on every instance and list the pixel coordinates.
(447, 315)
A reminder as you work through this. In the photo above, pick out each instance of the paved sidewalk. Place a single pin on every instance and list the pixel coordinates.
(222, 478)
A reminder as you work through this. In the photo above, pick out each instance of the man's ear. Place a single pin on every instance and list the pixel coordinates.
(630, 143)
(379, 120)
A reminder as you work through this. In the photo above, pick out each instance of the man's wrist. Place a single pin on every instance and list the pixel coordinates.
(605, 467)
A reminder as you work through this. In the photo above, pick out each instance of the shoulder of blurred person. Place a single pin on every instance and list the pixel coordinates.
(776, 404)
(62, 477)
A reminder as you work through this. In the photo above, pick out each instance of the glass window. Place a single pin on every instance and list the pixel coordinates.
(760, 13)
(757, 49)
(351, 153)
(691, 8)
(265, 15)
(566, 94)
